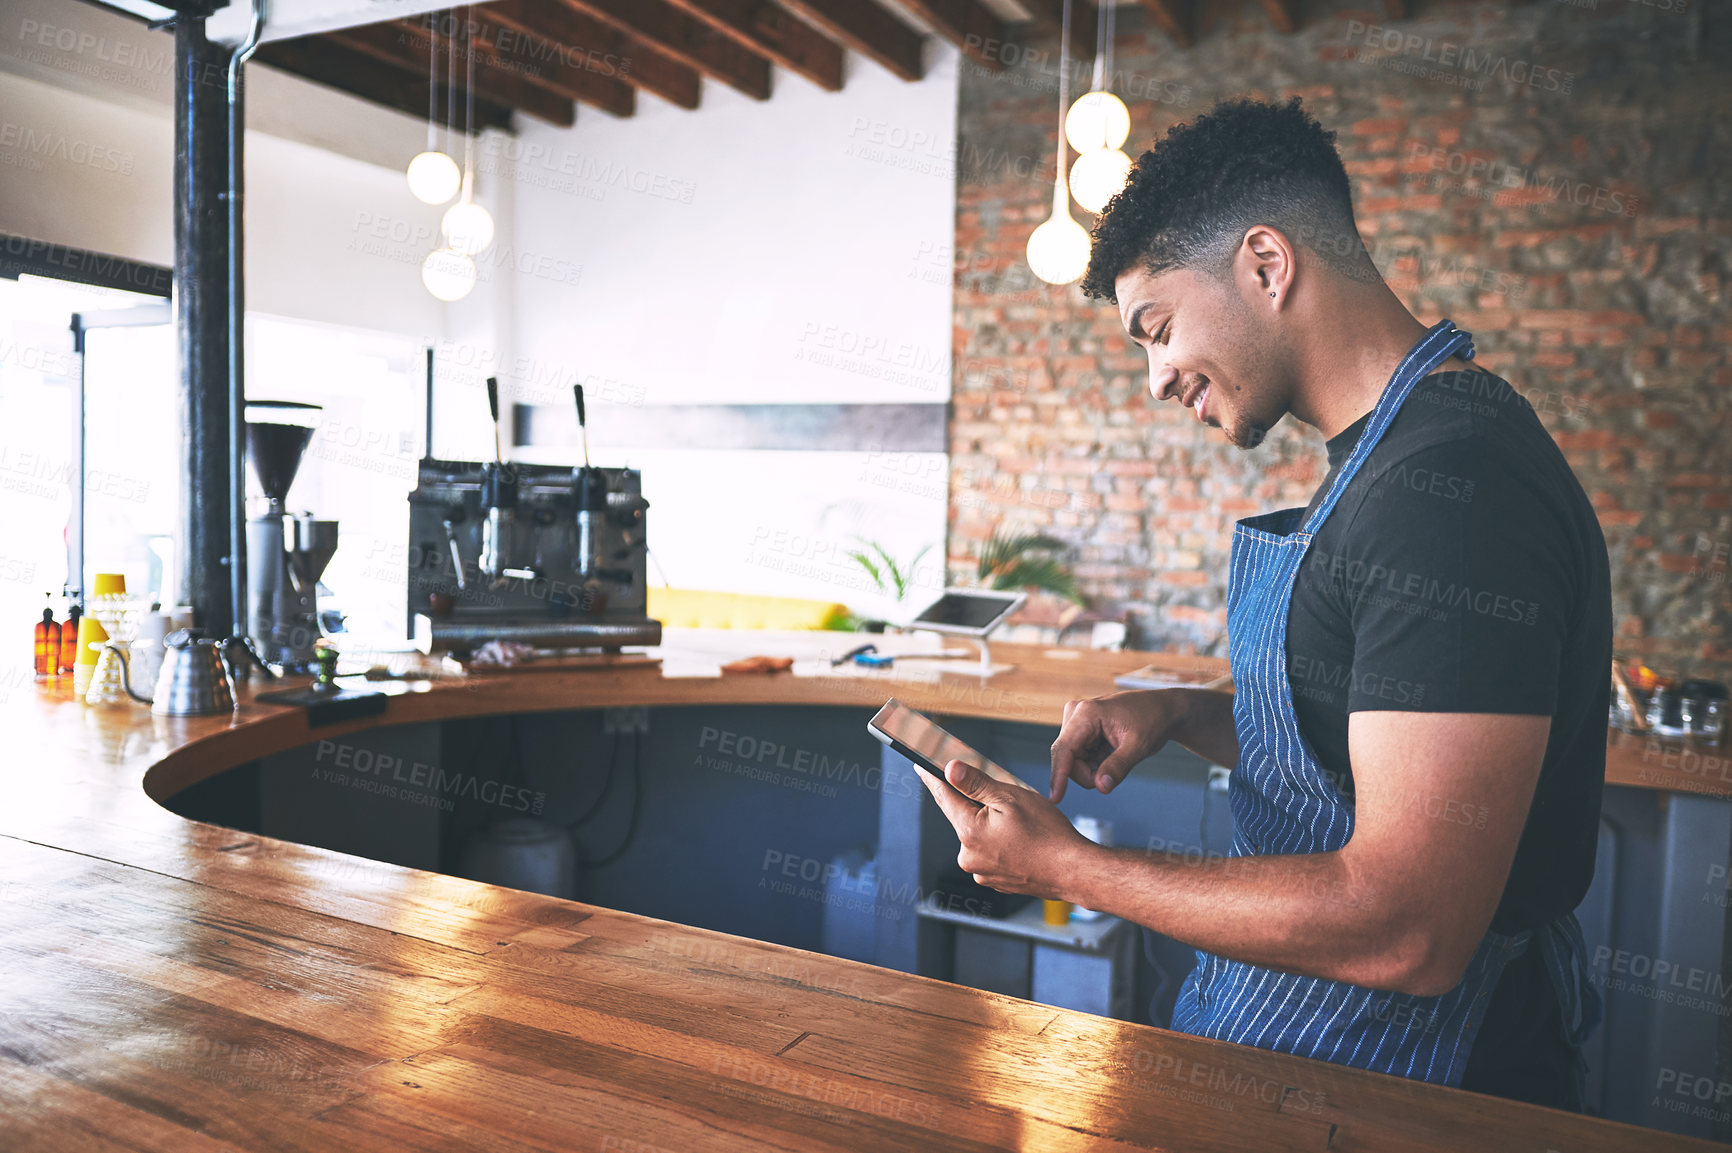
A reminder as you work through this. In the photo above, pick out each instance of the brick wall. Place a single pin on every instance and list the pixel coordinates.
(1570, 209)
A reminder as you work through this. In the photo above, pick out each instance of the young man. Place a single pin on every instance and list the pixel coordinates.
(1417, 731)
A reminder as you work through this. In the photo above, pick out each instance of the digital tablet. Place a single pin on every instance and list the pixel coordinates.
(916, 737)
(968, 612)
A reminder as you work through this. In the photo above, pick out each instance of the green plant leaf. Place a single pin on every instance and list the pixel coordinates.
(1045, 574)
(887, 575)
(1004, 548)
(871, 567)
(905, 579)
(1027, 561)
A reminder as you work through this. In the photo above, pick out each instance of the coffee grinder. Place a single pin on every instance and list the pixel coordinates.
(286, 552)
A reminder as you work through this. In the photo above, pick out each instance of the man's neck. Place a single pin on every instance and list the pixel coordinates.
(1350, 357)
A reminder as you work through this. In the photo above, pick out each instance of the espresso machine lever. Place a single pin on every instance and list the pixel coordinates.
(590, 488)
(499, 500)
(450, 523)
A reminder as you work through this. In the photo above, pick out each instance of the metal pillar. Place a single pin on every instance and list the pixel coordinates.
(201, 318)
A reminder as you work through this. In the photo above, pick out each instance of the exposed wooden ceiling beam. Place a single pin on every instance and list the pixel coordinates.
(1284, 14)
(1084, 23)
(600, 47)
(868, 29)
(968, 24)
(539, 61)
(689, 41)
(371, 79)
(1174, 17)
(762, 27)
(389, 44)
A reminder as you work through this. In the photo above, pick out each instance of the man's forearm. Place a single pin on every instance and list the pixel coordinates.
(1300, 914)
(1206, 725)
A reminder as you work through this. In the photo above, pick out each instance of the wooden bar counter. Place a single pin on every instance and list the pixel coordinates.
(169, 985)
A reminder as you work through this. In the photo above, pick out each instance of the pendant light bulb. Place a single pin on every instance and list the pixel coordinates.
(1058, 252)
(1097, 120)
(448, 275)
(468, 228)
(434, 177)
(1098, 176)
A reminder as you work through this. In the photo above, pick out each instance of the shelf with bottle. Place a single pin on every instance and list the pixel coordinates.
(1672, 708)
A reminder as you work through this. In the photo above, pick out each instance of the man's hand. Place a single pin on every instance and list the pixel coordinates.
(1013, 839)
(1102, 739)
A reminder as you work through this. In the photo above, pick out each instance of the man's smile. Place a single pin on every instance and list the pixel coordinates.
(1198, 398)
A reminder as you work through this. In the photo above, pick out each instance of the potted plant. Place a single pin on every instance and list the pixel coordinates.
(1017, 560)
(888, 576)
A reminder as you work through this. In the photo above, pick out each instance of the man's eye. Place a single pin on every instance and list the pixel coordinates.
(1161, 336)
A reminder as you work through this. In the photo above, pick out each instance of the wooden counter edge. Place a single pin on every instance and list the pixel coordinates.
(1034, 693)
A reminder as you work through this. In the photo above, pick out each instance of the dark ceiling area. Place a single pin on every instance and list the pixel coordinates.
(542, 58)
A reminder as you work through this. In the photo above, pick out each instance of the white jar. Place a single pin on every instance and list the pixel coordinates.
(1101, 833)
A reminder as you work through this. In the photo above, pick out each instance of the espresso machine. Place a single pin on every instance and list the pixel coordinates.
(286, 552)
(543, 555)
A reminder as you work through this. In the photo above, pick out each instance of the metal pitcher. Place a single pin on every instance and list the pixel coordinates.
(194, 681)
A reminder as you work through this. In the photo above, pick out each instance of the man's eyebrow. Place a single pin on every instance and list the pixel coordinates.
(1135, 319)
(1133, 325)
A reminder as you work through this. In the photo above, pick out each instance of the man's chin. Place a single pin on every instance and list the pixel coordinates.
(1246, 436)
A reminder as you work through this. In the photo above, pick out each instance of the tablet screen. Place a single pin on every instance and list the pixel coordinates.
(965, 610)
(916, 737)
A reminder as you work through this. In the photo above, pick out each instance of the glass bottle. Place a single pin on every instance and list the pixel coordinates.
(69, 641)
(47, 644)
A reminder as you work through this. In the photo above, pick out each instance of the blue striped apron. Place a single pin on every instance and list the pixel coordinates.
(1283, 802)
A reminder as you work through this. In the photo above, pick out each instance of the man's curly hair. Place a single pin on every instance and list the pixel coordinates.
(1190, 199)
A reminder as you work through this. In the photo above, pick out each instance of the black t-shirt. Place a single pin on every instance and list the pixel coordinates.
(1463, 571)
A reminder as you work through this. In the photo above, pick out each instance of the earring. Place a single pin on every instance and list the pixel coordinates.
(1271, 296)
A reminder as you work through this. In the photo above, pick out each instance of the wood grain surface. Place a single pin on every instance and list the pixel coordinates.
(168, 985)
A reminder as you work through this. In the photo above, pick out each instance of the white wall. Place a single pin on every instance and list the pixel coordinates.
(760, 243)
(793, 251)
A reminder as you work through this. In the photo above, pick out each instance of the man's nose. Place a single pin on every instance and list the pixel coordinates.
(1162, 376)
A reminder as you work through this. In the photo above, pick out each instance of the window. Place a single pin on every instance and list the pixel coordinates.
(362, 461)
(130, 474)
(358, 469)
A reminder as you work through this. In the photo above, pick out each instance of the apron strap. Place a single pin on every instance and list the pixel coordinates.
(1442, 341)
(1566, 957)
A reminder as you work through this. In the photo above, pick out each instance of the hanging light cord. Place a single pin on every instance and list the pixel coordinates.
(1112, 15)
(1106, 16)
(1102, 14)
(469, 106)
(432, 82)
(1106, 52)
(1059, 190)
(450, 86)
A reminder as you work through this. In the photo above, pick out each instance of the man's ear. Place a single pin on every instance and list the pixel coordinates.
(1265, 265)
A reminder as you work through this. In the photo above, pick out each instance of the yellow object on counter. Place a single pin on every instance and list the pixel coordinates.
(91, 637)
(108, 584)
(90, 631)
(1055, 912)
(697, 609)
